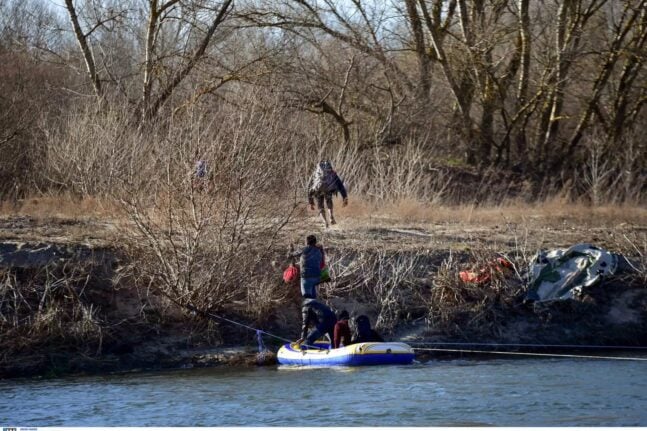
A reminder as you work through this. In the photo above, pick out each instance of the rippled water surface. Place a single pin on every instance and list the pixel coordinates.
(547, 392)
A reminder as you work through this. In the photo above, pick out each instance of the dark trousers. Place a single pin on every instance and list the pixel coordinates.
(320, 330)
(327, 198)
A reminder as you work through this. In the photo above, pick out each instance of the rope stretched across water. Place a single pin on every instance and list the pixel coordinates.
(565, 346)
(233, 322)
(437, 349)
(552, 355)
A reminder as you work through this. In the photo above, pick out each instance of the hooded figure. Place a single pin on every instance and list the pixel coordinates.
(363, 331)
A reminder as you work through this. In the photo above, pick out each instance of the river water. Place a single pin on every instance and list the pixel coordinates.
(500, 392)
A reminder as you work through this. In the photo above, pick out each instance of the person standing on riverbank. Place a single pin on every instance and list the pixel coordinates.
(323, 184)
(318, 315)
(311, 259)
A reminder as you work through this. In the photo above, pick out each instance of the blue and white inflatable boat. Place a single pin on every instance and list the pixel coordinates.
(383, 353)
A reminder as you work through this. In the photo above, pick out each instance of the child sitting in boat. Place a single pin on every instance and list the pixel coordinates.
(363, 331)
(342, 331)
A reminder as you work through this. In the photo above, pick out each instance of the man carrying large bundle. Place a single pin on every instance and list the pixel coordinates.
(323, 184)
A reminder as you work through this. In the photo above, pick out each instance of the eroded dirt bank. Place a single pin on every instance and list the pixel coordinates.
(78, 309)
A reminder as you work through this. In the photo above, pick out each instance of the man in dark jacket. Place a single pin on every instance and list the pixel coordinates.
(311, 257)
(318, 315)
(323, 184)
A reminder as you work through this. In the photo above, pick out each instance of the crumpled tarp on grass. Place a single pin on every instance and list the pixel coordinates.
(563, 273)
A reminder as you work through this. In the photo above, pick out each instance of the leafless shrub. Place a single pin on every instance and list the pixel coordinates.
(597, 173)
(386, 280)
(91, 152)
(633, 248)
(403, 171)
(24, 103)
(392, 286)
(207, 241)
(48, 308)
(470, 307)
(632, 181)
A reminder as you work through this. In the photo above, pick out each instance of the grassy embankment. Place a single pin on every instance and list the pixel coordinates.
(397, 262)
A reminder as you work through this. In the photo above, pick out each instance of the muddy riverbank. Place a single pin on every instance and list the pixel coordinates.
(70, 303)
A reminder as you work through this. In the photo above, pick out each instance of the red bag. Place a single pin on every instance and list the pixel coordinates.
(291, 273)
(322, 265)
(484, 274)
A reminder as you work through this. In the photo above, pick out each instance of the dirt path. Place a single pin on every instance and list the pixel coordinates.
(526, 233)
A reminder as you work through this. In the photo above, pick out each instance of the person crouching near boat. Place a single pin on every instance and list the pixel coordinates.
(341, 335)
(318, 315)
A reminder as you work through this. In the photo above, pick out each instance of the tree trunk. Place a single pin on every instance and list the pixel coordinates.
(604, 74)
(148, 60)
(524, 77)
(82, 40)
(197, 55)
(421, 51)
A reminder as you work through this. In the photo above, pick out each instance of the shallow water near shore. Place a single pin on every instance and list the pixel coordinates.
(500, 392)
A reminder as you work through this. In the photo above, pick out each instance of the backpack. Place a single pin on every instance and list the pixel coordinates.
(324, 178)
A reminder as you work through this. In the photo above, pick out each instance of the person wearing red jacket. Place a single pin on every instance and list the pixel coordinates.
(341, 333)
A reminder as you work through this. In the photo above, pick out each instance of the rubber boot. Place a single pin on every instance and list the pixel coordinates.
(322, 213)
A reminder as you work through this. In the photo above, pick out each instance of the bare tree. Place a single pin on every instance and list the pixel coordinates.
(630, 14)
(514, 83)
(194, 25)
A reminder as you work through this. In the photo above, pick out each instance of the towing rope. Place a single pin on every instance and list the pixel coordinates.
(565, 346)
(557, 355)
(261, 346)
(259, 332)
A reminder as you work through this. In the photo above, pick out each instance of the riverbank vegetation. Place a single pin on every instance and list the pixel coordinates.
(462, 129)
(105, 302)
(409, 98)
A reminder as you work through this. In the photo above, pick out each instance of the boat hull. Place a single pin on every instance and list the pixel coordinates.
(354, 355)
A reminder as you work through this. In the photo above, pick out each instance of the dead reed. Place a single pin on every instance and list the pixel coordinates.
(48, 311)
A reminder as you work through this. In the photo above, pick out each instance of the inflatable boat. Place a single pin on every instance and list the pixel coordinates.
(383, 353)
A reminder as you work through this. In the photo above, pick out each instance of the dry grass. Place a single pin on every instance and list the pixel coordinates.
(473, 308)
(63, 206)
(552, 212)
(48, 309)
(549, 213)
